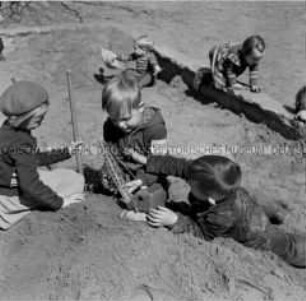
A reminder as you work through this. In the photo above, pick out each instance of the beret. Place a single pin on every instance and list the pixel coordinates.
(22, 97)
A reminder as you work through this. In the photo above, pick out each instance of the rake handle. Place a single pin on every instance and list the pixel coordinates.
(74, 121)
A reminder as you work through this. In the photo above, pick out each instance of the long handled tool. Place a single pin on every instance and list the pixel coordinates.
(74, 122)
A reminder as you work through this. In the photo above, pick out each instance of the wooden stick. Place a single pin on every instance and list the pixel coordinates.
(74, 122)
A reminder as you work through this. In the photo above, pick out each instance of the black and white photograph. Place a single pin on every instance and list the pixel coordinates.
(153, 150)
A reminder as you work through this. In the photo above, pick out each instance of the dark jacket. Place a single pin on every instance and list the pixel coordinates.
(235, 217)
(19, 153)
(152, 128)
(238, 216)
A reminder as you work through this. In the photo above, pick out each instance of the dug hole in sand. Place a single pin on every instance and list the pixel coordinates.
(86, 252)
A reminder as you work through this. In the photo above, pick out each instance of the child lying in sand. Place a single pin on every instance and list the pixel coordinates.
(219, 207)
(146, 66)
(22, 187)
(133, 131)
(228, 61)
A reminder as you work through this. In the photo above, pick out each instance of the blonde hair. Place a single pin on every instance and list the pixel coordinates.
(120, 95)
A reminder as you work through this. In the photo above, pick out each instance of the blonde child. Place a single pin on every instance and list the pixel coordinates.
(23, 187)
(133, 129)
(146, 65)
(228, 61)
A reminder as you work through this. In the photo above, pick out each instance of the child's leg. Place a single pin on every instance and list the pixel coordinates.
(65, 182)
(216, 69)
(247, 223)
(11, 211)
(289, 246)
(144, 80)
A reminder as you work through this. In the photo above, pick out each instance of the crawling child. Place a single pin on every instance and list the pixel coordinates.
(146, 65)
(228, 61)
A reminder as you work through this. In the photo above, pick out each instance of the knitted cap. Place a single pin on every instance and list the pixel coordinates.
(22, 97)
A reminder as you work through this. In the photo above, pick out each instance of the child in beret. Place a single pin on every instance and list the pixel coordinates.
(23, 187)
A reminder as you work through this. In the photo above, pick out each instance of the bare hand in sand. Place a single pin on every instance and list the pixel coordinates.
(255, 89)
(161, 216)
(73, 199)
(75, 146)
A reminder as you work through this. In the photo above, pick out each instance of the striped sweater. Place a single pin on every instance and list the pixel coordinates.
(146, 63)
(227, 63)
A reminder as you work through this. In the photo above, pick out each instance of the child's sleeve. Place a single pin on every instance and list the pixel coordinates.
(186, 224)
(168, 166)
(31, 187)
(254, 75)
(52, 157)
(126, 58)
(156, 138)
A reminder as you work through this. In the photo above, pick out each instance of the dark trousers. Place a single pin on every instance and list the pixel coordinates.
(246, 222)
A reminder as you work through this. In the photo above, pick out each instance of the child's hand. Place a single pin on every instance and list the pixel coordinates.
(231, 91)
(75, 146)
(161, 216)
(131, 186)
(128, 152)
(255, 89)
(135, 156)
(301, 116)
(73, 199)
(157, 69)
(238, 86)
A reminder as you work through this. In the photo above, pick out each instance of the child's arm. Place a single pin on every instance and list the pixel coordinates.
(230, 76)
(176, 222)
(168, 166)
(126, 58)
(53, 156)
(158, 147)
(137, 157)
(56, 155)
(32, 188)
(254, 79)
(153, 62)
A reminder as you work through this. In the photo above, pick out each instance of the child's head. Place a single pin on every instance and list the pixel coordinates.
(253, 49)
(213, 176)
(121, 99)
(300, 100)
(142, 45)
(25, 104)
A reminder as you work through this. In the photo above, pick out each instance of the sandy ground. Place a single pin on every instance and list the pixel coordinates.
(86, 252)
